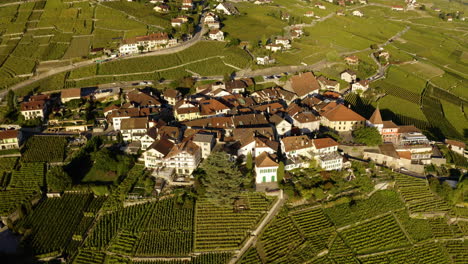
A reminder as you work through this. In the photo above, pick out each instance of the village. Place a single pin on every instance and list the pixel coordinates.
(282, 128)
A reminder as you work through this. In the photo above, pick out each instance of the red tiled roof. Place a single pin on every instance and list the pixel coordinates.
(33, 105)
(7, 134)
(341, 113)
(321, 143)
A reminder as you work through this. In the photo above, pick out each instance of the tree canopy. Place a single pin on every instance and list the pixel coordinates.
(221, 179)
(58, 179)
(367, 135)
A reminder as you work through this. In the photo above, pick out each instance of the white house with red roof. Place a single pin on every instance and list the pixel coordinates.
(266, 168)
(361, 85)
(10, 139)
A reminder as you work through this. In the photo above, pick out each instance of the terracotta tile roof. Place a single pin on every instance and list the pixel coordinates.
(264, 160)
(325, 81)
(258, 131)
(376, 118)
(171, 93)
(321, 143)
(389, 124)
(263, 142)
(33, 105)
(306, 117)
(39, 97)
(7, 134)
(71, 93)
(331, 94)
(388, 150)
(276, 119)
(249, 120)
(235, 84)
(273, 107)
(212, 106)
(409, 129)
(163, 146)
(293, 109)
(339, 112)
(350, 72)
(142, 99)
(131, 112)
(221, 122)
(296, 143)
(304, 83)
(169, 132)
(134, 123)
(185, 110)
(455, 143)
(110, 108)
(207, 138)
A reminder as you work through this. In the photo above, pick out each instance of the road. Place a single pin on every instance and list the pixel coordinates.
(254, 235)
(195, 39)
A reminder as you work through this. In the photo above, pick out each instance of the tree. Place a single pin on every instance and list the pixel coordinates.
(222, 179)
(280, 172)
(367, 135)
(249, 162)
(57, 179)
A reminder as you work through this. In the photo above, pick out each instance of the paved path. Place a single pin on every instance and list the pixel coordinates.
(254, 235)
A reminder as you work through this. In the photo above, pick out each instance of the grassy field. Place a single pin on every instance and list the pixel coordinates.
(399, 106)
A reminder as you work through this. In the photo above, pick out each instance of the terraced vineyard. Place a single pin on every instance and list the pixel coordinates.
(219, 228)
(375, 235)
(44, 149)
(48, 237)
(418, 196)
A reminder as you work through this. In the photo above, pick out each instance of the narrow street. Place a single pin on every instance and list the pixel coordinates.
(252, 240)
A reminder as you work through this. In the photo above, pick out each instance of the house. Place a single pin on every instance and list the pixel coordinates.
(325, 146)
(327, 84)
(213, 107)
(187, 5)
(10, 139)
(70, 94)
(285, 16)
(457, 146)
(183, 157)
(266, 168)
(361, 85)
(216, 34)
(348, 76)
(227, 9)
(397, 8)
(146, 43)
(115, 116)
(295, 146)
(206, 142)
(449, 19)
(273, 94)
(285, 42)
(210, 18)
(265, 60)
(320, 6)
(307, 122)
(303, 84)
(236, 86)
(132, 129)
(296, 32)
(176, 22)
(363, 2)
(264, 144)
(172, 96)
(184, 110)
(330, 161)
(309, 14)
(282, 126)
(341, 118)
(161, 8)
(357, 13)
(273, 47)
(107, 94)
(352, 60)
(33, 109)
(139, 98)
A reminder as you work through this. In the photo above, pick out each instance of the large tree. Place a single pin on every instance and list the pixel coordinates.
(367, 135)
(58, 179)
(221, 179)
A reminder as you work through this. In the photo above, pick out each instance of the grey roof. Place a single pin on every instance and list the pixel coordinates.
(203, 138)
